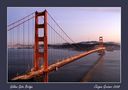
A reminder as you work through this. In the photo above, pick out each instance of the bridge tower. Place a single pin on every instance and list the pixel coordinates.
(43, 39)
(100, 41)
(101, 45)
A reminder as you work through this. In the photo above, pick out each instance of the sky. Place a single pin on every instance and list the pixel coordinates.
(80, 23)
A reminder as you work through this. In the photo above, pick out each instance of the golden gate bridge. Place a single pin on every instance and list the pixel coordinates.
(40, 32)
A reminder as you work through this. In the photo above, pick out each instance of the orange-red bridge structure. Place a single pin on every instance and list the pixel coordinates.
(41, 24)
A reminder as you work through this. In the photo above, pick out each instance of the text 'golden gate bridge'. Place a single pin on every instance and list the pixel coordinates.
(33, 40)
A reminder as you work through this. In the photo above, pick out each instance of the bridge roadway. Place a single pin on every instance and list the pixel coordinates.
(54, 66)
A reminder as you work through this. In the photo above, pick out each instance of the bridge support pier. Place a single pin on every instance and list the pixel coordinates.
(45, 77)
(102, 52)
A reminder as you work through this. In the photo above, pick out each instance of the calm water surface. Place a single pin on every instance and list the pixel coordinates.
(92, 68)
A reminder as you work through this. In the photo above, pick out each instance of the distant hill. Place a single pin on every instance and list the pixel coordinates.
(87, 45)
(80, 46)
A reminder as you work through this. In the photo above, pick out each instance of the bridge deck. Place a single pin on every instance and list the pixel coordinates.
(53, 67)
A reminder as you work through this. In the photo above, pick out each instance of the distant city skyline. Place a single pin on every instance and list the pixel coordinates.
(80, 23)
